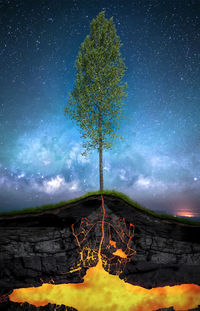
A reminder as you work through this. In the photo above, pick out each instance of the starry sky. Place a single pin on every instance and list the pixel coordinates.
(158, 163)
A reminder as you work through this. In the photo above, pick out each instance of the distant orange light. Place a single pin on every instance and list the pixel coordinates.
(185, 214)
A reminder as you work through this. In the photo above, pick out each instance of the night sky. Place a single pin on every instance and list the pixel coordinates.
(158, 163)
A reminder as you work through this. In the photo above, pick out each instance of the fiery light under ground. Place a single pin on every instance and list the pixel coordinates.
(102, 291)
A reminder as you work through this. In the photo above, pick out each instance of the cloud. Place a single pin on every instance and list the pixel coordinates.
(143, 182)
(155, 186)
(56, 185)
(27, 191)
(53, 167)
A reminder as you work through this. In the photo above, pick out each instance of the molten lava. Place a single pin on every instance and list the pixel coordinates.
(120, 253)
(102, 291)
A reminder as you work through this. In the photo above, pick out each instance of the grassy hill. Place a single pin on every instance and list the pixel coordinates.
(105, 192)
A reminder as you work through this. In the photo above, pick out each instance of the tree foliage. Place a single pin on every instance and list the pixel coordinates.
(95, 104)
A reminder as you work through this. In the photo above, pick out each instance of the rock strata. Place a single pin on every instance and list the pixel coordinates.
(166, 309)
(12, 306)
(38, 248)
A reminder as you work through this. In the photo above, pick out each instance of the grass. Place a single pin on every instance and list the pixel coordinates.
(108, 192)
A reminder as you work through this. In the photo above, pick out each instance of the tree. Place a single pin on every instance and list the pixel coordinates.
(95, 104)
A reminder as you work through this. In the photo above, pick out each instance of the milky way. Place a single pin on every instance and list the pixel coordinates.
(158, 163)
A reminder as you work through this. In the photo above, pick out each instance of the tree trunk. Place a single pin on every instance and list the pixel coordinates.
(100, 153)
(100, 166)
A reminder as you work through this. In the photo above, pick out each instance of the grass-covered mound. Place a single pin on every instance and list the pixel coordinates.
(108, 192)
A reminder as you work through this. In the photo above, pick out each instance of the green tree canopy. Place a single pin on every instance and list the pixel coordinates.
(95, 104)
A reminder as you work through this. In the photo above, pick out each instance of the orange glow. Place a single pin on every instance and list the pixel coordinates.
(112, 243)
(100, 290)
(113, 254)
(103, 233)
(185, 214)
(185, 210)
(120, 253)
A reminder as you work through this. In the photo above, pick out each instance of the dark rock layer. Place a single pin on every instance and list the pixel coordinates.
(12, 306)
(38, 248)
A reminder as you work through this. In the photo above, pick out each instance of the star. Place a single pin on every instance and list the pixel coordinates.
(41, 147)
